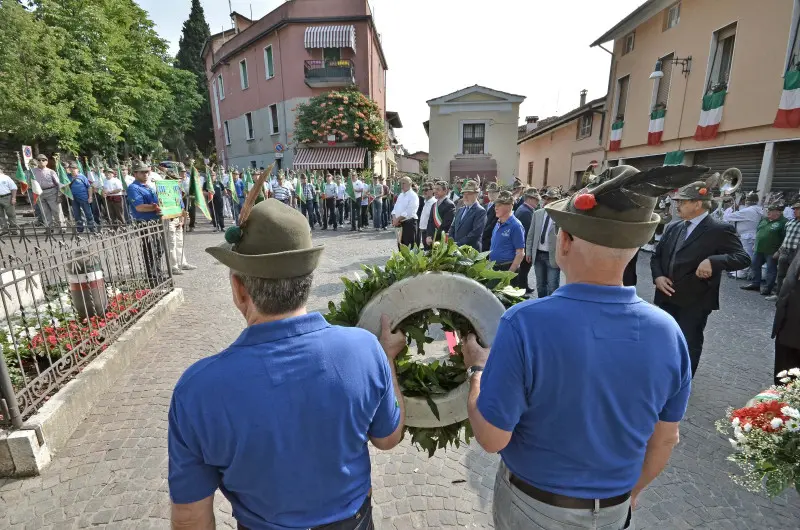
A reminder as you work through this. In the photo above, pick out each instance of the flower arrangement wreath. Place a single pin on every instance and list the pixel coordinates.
(427, 380)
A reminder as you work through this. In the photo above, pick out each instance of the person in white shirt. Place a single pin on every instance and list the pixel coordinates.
(8, 202)
(112, 188)
(427, 208)
(356, 217)
(341, 193)
(746, 222)
(404, 214)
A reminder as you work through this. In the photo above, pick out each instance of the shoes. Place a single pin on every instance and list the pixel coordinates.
(750, 287)
(176, 271)
(215, 229)
(772, 298)
(765, 293)
(334, 229)
(188, 267)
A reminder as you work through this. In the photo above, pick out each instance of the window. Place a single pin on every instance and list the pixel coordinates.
(530, 172)
(269, 66)
(253, 164)
(248, 125)
(227, 134)
(216, 103)
(672, 16)
(622, 97)
(331, 54)
(627, 45)
(221, 86)
(546, 170)
(473, 139)
(273, 119)
(662, 90)
(585, 126)
(722, 58)
(243, 74)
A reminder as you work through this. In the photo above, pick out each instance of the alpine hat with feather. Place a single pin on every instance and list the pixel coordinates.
(616, 210)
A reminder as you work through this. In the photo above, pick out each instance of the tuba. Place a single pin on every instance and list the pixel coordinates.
(727, 183)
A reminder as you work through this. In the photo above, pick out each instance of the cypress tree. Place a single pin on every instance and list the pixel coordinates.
(193, 37)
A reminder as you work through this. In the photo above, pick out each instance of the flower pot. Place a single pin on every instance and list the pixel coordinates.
(436, 290)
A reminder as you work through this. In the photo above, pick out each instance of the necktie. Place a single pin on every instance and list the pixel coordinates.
(686, 225)
(678, 242)
(544, 229)
(464, 212)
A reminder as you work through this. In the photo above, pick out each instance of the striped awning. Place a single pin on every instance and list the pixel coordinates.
(331, 37)
(330, 158)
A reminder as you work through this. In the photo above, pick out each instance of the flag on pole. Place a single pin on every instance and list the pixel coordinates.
(99, 173)
(788, 116)
(248, 181)
(348, 189)
(298, 190)
(616, 136)
(711, 116)
(673, 158)
(197, 192)
(656, 129)
(232, 189)
(22, 182)
(64, 179)
(122, 180)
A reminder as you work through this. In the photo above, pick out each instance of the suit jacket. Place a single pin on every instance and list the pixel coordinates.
(524, 214)
(447, 211)
(491, 221)
(785, 326)
(535, 234)
(468, 231)
(710, 239)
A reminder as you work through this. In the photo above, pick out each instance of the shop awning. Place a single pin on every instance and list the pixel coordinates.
(330, 37)
(330, 158)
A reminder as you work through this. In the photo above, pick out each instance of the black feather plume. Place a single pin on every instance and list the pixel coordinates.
(633, 190)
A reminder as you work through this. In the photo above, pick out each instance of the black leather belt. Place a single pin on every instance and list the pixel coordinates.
(563, 501)
(6, 195)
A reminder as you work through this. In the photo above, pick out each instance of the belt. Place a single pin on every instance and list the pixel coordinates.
(6, 195)
(563, 501)
(350, 522)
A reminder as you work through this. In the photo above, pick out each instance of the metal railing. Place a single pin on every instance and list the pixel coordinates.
(329, 68)
(66, 298)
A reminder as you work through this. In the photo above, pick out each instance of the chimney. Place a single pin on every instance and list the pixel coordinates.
(531, 123)
(583, 97)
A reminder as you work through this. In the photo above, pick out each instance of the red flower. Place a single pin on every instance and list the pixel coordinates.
(585, 201)
(761, 415)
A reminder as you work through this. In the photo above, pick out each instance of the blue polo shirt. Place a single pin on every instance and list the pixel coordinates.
(79, 186)
(139, 193)
(506, 239)
(582, 390)
(239, 185)
(279, 422)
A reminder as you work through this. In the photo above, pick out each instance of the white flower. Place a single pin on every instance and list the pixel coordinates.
(735, 422)
(747, 427)
(781, 374)
(734, 443)
(776, 423)
(794, 372)
(791, 412)
(793, 424)
(786, 379)
(738, 434)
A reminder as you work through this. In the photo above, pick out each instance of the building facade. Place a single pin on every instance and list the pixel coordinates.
(702, 80)
(258, 74)
(557, 152)
(473, 132)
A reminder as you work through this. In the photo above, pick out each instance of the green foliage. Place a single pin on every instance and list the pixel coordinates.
(348, 114)
(419, 379)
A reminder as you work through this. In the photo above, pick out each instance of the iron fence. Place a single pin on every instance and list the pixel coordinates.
(66, 298)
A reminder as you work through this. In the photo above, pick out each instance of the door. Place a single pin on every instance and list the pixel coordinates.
(786, 177)
(746, 158)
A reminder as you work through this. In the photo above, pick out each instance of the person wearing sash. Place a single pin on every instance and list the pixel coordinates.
(442, 214)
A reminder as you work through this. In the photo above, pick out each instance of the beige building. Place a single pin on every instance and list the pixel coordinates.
(557, 151)
(736, 51)
(474, 132)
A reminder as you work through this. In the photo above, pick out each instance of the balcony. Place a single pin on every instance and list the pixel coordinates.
(329, 73)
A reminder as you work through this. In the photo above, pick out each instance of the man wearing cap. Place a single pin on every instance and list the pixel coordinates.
(688, 262)
(508, 240)
(238, 186)
(404, 214)
(746, 222)
(584, 417)
(492, 189)
(470, 219)
(525, 215)
(788, 249)
(540, 247)
(442, 214)
(769, 237)
(112, 186)
(301, 397)
(82, 197)
(49, 199)
(517, 193)
(427, 207)
(144, 208)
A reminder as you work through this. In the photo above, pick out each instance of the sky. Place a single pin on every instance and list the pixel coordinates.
(536, 49)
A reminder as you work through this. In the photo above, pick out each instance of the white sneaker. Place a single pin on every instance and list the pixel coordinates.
(188, 267)
(771, 298)
(176, 271)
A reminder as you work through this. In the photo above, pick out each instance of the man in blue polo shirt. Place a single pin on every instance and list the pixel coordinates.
(584, 416)
(82, 197)
(144, 207)
(279, 421)
(507, 249)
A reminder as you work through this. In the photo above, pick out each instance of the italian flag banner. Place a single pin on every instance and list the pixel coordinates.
(656, 129)
(616, 135)
(711, 116)
(788, 116)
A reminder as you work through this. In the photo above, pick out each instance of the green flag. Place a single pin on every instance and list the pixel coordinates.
(22, 182)
(348, 189)
(232, 189)
(199, 199)
(64, 180)
(298, 190)
(122, 180)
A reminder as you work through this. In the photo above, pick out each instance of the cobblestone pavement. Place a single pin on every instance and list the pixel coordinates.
(113, 470)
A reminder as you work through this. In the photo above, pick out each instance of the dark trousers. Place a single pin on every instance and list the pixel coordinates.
(386, 212)
(317, 216)
(192, 210)
(692, 321)
(424, 238)
(81, 209)
(340, 210)
(786, 358)
(307, 209)
(521, 281)
(95, 204)
(785, 258)
(330, 206)
(115, 210)
(355, 214)
(217, 207)
(408, 236)
(759, 259)
(152, 251)
(364, 215)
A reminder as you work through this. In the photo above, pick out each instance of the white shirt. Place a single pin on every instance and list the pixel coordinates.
(340, 191)
(426, 213)
(693, 223)
(185, 183)
(129, 179)
(788, 213)
(547, 224)
(152, 178)
(113, 186)
(7, 184)
(406, 205)
(358, 188)
(746, 220)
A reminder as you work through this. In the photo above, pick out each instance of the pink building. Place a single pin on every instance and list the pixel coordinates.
(258, 72)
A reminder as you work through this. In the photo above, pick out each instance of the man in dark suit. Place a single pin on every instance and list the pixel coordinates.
(688, 263)
(491, 217)
(470, 219)
(785, 330)
(442, 214)
(525, 215)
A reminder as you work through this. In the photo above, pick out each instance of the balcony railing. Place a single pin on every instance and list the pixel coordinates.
(329, 73)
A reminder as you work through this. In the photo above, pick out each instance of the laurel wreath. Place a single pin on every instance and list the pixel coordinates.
(418, 379)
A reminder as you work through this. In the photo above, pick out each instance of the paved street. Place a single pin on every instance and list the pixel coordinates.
(113, 470)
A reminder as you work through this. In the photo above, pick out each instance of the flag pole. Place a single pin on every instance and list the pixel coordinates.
(71, 214)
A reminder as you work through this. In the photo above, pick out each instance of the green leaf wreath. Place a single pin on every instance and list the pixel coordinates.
(419, 379)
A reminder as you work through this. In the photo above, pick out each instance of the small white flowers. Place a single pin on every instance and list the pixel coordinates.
(747, 427)
(733, 443)
(782, 374)
(776, 423)
(794, 372)
(791, 412)
(793, 425)
(735, 422)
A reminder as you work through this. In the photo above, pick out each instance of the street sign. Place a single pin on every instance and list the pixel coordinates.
(278, 155)
(331, 139)
(279, 148)
(27, 154)
(169, 198)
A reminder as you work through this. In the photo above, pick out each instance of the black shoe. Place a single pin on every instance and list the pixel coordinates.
(334, 229)
(750, 287)
(765, 293)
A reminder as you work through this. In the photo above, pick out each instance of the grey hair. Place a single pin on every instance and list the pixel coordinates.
(277, 297)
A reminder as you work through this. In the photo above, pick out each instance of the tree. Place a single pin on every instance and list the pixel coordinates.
(194, 36)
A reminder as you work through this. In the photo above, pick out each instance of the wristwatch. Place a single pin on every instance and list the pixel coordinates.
(472, 370)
